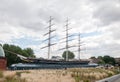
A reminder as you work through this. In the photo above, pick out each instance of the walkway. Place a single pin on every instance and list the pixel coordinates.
(118, 80)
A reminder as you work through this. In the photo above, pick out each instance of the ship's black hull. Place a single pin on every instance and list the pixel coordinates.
(62, 62)
(50, 64)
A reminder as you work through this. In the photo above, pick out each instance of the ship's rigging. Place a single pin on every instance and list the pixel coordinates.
(49, 37)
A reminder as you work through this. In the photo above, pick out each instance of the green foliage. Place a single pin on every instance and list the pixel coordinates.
(0, 44)
(29, 51)
(70, 55)
(93, 57)
(101, 62)
(100, 57)
(12, 58)
(109, 60)
(104, 60)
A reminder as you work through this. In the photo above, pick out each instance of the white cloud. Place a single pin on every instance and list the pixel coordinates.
(29, 18)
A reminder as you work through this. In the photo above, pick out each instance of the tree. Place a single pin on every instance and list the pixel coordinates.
(70, 55)
(0, 44)
(29, 52)
(93, 57)
(100, 57)
(109, 60)
(104, 60)
(101, 61)
(13, 58)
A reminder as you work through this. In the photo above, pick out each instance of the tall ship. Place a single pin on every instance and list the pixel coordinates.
(34, 63)
(40, 63)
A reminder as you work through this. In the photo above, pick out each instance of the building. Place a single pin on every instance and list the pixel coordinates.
(117, 61)
(56, 58)
(3, 60)
(94, 60)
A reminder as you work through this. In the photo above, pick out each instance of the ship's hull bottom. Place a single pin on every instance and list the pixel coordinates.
(46, 66)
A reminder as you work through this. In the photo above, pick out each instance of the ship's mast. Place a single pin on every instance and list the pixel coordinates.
(79, 46)
(49, 40)
(66, 39)
(49, 37)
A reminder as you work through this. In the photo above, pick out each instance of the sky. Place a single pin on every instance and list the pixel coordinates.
(24, 22)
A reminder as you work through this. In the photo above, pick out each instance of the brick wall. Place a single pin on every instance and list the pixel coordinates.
(3, 63)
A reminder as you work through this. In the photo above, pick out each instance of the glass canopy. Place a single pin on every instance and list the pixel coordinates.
(2, 54)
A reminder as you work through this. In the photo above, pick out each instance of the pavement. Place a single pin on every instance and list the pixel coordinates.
(118, 80)
(115, 78)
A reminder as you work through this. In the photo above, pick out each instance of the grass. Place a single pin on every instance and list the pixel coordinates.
(12, 78)
(20, 72)
(64, 73)
(91, 74)
(74, 74)
(77, 79)
(1, 74)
